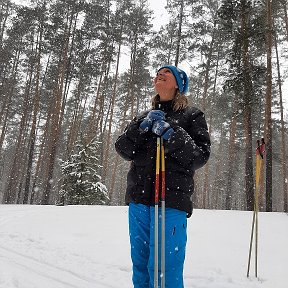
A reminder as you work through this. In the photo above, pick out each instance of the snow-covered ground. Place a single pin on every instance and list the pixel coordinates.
(88, 246)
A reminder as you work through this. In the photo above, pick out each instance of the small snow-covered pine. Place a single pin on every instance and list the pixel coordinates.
(81, 182)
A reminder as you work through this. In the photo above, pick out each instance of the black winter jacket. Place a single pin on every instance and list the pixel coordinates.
(187, 150)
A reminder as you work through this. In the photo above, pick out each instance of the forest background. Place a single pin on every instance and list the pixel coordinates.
(73, 73)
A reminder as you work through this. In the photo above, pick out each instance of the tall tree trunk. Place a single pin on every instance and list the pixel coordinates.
(76, 119)
(95, 127)
(15, 172)
(249, 183)
(35, 105)
(116, 161)
(3, 20)
(56, 112)
(207, 172)
(91, 129)
(207, 70)
(41, 163)
(132, 74)
(283, 142)
(100, 123)
(21, 168)
(122, 126)
(231, 155)
(35, 191)
(268, 107)
(218, 183)
(284, 5)
(205, 93)
(112, 104)
(179, 33)
(8, 90)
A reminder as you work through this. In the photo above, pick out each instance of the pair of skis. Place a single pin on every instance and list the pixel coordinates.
(259, 157)
(160, 171)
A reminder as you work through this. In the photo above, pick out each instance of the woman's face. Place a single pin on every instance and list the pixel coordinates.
(165, 83)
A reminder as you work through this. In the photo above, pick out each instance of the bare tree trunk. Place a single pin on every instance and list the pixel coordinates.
(100, 119)
(76, 119)
(249, 182)
(90, 134)
(8, 90)
(268, 106)
(231, 155)
(3, 19)
(116, 161)
(206, 85)
(207, 70)
(56, 113)
(40, 162)
(107, 150)
(179, 33)
(68, 79)
(21, 168)
(15, 172)
(283, 142)
(284, 4)
(217, 187)
(95, 127)
(36, 102)
(132, 73)
(207, 173)
(129, 98)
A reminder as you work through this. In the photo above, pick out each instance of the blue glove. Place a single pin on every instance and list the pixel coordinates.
(162, 128)
(153, 115)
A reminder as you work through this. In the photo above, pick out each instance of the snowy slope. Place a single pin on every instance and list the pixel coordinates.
(87, 246)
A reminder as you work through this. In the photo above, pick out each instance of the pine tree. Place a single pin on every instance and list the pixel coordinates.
(81, 181)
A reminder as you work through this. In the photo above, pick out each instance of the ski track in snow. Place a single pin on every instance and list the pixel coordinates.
(38, 268)
(34, 260)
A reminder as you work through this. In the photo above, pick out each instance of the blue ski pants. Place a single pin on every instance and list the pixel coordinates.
(141, 229)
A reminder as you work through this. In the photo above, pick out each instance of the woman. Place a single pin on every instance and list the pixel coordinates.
(187, 148)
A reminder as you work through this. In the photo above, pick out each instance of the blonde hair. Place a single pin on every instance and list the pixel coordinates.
(180, 101)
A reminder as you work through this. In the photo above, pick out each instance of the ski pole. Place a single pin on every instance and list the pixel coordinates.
(259, 156)
(157, 182)
(163, 187)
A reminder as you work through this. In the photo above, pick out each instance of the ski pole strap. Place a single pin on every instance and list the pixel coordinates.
(259, 157)
(260, 148)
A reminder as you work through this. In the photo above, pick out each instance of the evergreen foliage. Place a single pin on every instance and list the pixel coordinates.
(80, 177)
